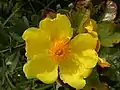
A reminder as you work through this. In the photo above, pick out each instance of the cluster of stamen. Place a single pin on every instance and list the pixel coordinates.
(59, 50)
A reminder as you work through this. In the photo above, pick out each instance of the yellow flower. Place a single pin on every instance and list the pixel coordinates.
(90, 27)
(51, 47)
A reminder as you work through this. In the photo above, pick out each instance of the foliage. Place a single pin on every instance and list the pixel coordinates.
(18, 15)
(108, 33)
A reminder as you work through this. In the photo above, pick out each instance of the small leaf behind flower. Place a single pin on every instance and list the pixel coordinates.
(109, 33)
(12, 61)
(93, 82)
(112, 55)
(78, 18)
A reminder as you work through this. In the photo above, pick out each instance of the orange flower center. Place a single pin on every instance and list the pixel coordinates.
(59, 50)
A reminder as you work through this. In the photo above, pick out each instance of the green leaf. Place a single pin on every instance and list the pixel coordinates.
(3, 35)
(63, 11)
(108, 34)
(35, 19)
(16, 37)
(112, 55)
(78, 18)
(44, 87)
(19, 25)
(93, 82)
(12, 61)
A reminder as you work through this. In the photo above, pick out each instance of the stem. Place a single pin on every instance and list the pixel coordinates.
(11, 15)
(32, 6)
(8, 49)
(6, 75)
(49, 4)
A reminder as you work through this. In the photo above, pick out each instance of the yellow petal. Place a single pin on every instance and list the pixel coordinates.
(36, 41)
(82, 42)
(41, 67)
(88, 58)
(85, 72)
(90, 25)
(69, 72)
(94, 34)
(58, 27)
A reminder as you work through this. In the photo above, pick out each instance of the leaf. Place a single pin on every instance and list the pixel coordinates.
(65, 88)
(12, 61)
(93, 82)
(44, 87)
(112, 55)
(35, 19)
(78, 18)
(19, 25)
(16, 37)
(108, 34)
(81, 3)
(3, 36)
(63, 11)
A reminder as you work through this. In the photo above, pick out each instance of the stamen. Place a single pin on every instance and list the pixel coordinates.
(59, 49)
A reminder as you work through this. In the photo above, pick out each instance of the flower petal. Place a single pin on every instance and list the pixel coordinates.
(85, 72)
(69, 72)
(41, 67)
(88, 58)
(90, 25)
(36, 41)
(58, 27)
(82, 42)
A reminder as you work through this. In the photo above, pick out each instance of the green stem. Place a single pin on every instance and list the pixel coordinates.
(8, 49)
(11, 15)
(10, 83)
(32, 6)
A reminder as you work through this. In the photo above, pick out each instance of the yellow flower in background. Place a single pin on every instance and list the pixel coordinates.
(90, 27)
(51, 47)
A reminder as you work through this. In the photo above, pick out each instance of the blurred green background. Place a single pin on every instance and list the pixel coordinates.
(18, 15)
